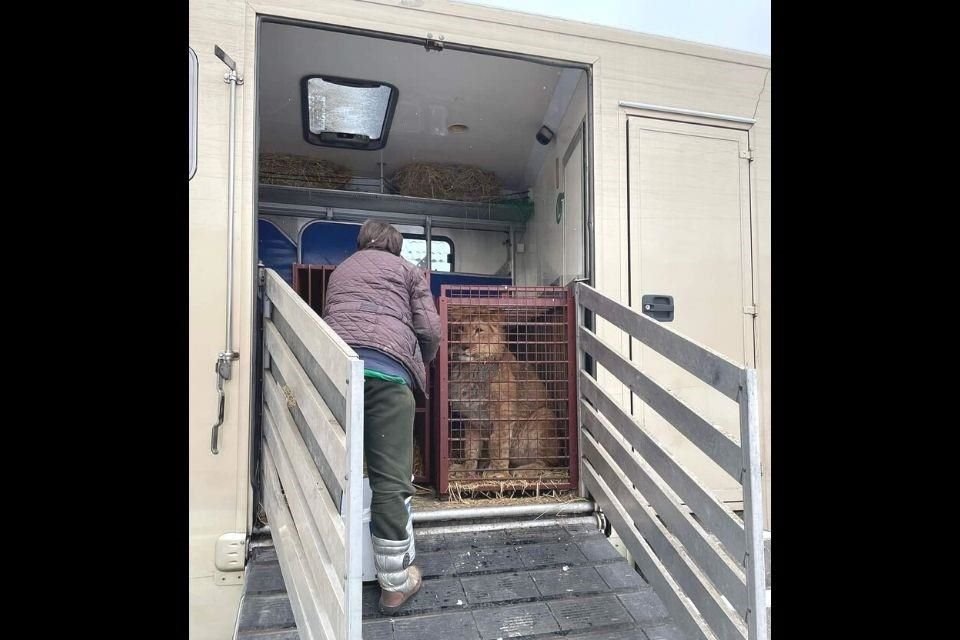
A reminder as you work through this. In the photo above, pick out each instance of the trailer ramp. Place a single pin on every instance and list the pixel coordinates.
(560, 580)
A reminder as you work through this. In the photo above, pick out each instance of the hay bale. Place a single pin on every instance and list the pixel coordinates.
(507, 490)
(446, 182)
(418, 467)
(288, 170)
(469, 485)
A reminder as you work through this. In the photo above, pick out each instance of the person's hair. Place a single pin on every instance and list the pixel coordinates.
(379, 235)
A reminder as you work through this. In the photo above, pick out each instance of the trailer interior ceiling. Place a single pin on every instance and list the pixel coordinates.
(444, 108)
(502, 102)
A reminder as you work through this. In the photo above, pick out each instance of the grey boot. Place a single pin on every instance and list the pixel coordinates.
(412, 550)
(398, 580)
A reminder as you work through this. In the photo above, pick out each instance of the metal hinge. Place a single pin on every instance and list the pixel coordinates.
(747, 154)
(750, 310)
(434, 44)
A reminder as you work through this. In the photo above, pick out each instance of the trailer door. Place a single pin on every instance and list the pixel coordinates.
(691, 266)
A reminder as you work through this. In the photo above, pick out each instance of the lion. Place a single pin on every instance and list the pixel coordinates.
(502, 401)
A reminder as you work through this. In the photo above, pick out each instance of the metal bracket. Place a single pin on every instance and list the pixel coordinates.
(224, 364)
(228, 578)
(224, 58)
(224, 369)
(603, 523)
(747, 154)
(225, 360)
(433, 44)
(215, 432)
(232, 75)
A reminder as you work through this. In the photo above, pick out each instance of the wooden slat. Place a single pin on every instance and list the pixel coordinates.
(326, 576)
(323, 425)
(320, 340)
(715, 516)
(678, 604)
(720, 617)
(702, 548)
(753, 506)
(325, 514)
(333, 484)
(717, 445)
(715, 369)
(352, 507)
(317, 372)
(312, 623)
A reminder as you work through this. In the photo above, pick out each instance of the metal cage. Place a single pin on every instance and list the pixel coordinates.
(507, 391)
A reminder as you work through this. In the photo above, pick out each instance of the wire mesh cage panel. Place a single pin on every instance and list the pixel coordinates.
(507, 418)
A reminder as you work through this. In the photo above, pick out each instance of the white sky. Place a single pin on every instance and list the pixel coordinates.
(734, 24)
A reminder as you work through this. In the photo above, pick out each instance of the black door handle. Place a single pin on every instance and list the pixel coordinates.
(658, 306)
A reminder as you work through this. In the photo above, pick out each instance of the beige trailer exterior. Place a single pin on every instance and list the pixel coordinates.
(680, 198)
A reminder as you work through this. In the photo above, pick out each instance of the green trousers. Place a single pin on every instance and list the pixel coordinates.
(388, 412)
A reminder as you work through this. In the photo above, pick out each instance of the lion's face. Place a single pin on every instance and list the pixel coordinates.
(476, 335)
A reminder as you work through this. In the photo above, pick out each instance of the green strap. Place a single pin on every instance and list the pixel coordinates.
(370, 373)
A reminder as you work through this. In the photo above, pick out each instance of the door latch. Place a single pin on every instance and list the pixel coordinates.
(658, 306)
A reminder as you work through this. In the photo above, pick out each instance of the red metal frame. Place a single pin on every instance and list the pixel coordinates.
(424, 407)
(519, 298)
(573, 393)
(310, 282)
(443, 421)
